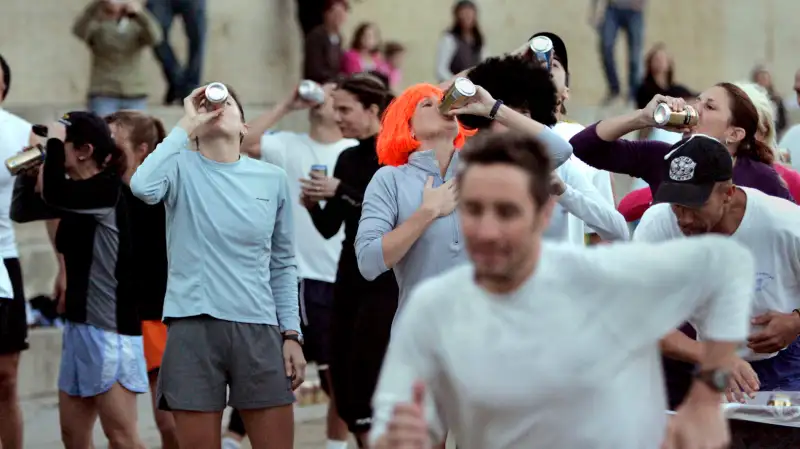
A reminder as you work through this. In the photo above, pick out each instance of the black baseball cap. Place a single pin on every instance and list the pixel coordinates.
(559, 48)
(87, 128)
(691, 169)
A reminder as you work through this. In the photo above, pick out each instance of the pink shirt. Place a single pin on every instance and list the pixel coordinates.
(791, 178)
(352, 63)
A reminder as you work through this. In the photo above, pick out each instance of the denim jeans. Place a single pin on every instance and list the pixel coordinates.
(104, 106)
(181, 80)
(632, 22)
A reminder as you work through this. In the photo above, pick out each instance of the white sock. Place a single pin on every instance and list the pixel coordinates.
(334, 444)
(230, 443)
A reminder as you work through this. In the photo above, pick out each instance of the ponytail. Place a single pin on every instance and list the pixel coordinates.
(756, 150)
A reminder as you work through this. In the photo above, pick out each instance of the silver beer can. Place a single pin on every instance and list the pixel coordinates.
(664, 116)
(216, 94)
(542, 51)
(457, 95)
(310, 91)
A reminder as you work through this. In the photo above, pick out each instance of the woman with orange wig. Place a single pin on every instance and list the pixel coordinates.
(407, 219)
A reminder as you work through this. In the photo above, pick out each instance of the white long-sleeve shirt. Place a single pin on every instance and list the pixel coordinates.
(770, 229)
(587, 205)
(577, 228)
(570, 360)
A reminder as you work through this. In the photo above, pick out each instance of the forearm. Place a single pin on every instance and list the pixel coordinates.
(151, 180)
(83, 23)
(715, 355)
(284, 289)
(558, 149)
(617, 127)
(151, 30)
(596, 213)
(677, 345)
(251, 144)
(396, 243)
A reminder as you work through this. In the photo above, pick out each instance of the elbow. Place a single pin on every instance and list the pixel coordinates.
(251, 147)
(140, 190)
(562, 151)
(370, 259)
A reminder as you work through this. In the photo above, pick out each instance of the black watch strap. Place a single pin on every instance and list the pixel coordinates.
(716, 379)
(293, 337)
(495, 108)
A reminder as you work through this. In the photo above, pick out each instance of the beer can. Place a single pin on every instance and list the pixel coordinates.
(310, 91)
(28, 158)
(457, 95)
(216, 94)
(780, 400)
(542, 51)
(664, 116)
(320, 169)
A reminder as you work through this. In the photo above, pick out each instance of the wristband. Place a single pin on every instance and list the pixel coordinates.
(495, 108)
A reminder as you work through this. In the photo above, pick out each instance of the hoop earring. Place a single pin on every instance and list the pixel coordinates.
(81, 158)
(727, 141)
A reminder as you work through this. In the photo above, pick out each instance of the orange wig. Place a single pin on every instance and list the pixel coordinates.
(395, 142)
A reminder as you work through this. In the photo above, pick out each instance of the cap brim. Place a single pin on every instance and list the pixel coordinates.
(689, 195)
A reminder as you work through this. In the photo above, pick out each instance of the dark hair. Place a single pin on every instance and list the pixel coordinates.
(368, 89)
(648, 62)
(392, 48)
(511, 148)
(519, 84)
(381, 76)
(235, 97)
(6, 77)
(745, 115)
(358, 36)
(144, 128)
(107, 157)
(329, 4)
(457, 30)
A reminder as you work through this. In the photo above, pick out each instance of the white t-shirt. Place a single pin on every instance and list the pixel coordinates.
(577, 228)
(317, 258)
(14, 136)
(770, 229)
(571, 359)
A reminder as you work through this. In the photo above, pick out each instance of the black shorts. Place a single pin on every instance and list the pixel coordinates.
(13, 317)
(316, 309)
(362, 324)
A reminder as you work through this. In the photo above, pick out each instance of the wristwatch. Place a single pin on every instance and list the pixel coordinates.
(294, 337)
(716, 379)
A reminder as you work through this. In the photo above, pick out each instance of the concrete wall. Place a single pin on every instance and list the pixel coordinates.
(255, 44)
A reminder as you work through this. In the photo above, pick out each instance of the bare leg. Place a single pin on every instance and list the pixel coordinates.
(199, 430)
(118, 416)
(10, 412)
(336, 427)
(270, 428)
(164, 420)
(77, 417)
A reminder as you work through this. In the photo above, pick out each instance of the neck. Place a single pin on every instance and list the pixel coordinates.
(506, 285)
(661, 80)
(324, 133)
(733, 216)
(372, 130)
(220, 149)
(442, 148)
(559, 115)
(84, 171)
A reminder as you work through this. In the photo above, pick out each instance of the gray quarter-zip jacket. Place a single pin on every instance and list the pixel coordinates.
(395, 193)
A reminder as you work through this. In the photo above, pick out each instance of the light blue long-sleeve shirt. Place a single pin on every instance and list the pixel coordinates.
(230, 238)
(395, 193)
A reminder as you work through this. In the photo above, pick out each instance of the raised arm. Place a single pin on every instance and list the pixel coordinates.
(582, 199)
(410, 358)
(26, 204)
(151, 34)
(86, 23)
(96, 195)
(156, 176)
(282, 265)
(558, 149)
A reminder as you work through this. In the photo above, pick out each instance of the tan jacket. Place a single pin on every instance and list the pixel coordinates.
(117, 48)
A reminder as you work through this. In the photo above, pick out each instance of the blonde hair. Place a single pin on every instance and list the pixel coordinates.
(766, 113)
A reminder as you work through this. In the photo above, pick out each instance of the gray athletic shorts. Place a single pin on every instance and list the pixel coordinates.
(204, 356)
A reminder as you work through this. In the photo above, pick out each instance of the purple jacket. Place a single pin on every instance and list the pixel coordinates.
(645, 158)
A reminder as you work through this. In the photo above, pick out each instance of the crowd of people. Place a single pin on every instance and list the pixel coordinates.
(457, 271)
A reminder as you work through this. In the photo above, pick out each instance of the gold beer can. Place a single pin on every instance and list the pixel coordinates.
(457, 95)
(664, 116)
(28, 158)
(780, 400)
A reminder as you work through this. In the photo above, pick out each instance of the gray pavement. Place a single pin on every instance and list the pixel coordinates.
(42, 429)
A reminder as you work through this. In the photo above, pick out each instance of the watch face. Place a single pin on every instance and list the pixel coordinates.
(721, 379)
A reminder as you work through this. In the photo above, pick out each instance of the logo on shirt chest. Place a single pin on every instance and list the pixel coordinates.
(763, 281)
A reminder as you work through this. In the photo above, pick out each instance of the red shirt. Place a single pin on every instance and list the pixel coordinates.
(791, 178)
